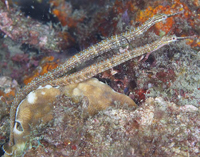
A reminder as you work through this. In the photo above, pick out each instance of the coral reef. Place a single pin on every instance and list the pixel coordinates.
(179, 82)
(99, 22)
(58, 77)
(28, 31)
(166, 86)
(156, 128)
(36, 110)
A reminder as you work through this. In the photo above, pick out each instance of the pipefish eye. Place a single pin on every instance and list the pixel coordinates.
(164, 16)
(173, 38)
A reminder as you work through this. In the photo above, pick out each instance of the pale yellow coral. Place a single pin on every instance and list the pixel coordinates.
(100, 95)
(37, 107)
(32, 111)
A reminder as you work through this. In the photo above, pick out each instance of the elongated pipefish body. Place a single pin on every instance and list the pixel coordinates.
(115, 60)
(91, 52)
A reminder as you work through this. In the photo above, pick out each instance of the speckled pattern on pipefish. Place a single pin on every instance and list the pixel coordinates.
(115, 60)
(98, 49)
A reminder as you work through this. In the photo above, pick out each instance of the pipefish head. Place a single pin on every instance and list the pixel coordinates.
(161, 17)
(165, 41)
(168, 39)
(171, 38)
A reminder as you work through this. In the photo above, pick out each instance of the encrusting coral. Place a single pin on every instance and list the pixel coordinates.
(100, 95)
(34, 110)
(37, 108)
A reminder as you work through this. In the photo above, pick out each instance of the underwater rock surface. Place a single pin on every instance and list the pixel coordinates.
(156, 128)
